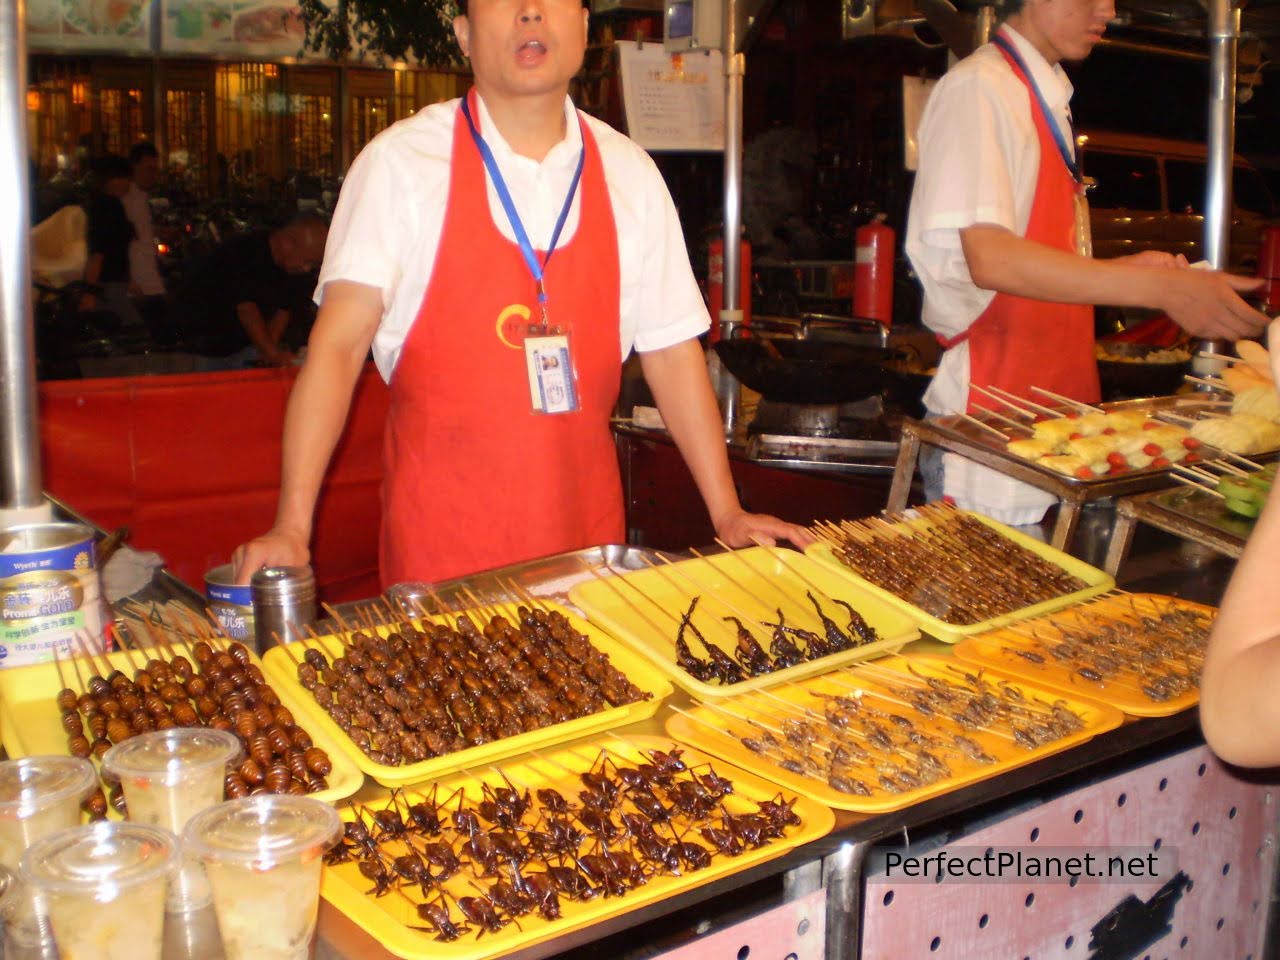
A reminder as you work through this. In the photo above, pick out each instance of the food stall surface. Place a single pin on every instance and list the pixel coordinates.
(779, 904)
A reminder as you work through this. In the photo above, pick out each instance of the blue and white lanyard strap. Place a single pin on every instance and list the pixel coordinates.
(1068, 157)
(522, 237)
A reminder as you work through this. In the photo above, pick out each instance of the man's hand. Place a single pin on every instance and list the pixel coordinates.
(1206, 303)
(742, 529)
(275, 548)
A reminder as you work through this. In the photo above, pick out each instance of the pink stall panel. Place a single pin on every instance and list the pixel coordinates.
(1223, 831)
(796, 930)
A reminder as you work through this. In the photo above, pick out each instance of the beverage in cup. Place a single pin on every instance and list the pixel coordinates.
(169, 776)
(263, 856)
(39, 796)
(103, 887)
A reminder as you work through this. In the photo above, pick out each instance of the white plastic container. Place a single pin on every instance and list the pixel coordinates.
(992, 493)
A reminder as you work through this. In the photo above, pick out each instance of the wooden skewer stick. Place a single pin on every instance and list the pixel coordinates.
(87, 653)
(80, 681)
(1242, 461)
(984, 426)
(1226, 467)
(767, 577)
(523, 593)
(1088, 408)
(128, 653)
(609, 582)
(1004, 402)
(290, 654)
(1211, 384)
(1193, 472)
(863, 691)
(667, 572)
(1009, 420)
(57, 663)
(1194, 483)
(819, 718)
(1040, 408)
(1222, 357)
(1172, 417)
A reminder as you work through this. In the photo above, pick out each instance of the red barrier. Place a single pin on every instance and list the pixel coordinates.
(191, 463)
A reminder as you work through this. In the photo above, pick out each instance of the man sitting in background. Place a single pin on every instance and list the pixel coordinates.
(146, 286)
(239, 303)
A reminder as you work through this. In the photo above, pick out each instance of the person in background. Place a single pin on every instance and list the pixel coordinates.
(1239, 705)
(998, 227)
(430, 265)
(241, 298)
(146, 284)
(109, 234)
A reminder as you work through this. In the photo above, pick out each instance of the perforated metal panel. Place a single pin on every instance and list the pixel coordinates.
(796, 930)
(1223, 830)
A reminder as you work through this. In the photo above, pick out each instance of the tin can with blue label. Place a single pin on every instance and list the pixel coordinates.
(49, 592)
(231, 602)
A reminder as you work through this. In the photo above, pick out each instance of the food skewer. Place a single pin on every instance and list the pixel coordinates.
(984, 426)
(1221, 357)
(1197, 484)
(1205, 382)
(1088, 408)
(1004, 402)
(1009, 420)
(1040, 408)
(667, 574)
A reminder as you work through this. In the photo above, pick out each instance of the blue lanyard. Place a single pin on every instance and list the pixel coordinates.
(1067, 156)
(522, 237)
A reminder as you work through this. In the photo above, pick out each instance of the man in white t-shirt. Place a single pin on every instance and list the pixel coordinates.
(998, 228)
(146, 285)
(471, 242)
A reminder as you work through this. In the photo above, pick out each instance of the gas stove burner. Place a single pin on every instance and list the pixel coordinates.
(860, 420)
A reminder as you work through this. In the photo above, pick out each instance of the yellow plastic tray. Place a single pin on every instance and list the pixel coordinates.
(30, 721)
(714, 732)
(1098, 582)
(748, 584)
(389, 919)
(993, 650)
(283, 672)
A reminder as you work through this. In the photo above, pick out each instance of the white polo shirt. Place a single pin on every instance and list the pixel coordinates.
(387, 225)
(144, 268)
(979, 160)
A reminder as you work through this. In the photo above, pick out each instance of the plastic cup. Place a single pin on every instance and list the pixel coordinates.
(39, 796)
(169, 776)
(103, 887)
(263, 859)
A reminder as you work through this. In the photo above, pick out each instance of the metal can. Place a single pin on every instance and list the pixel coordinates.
(231, 602)
(284, 603)
(49, 592)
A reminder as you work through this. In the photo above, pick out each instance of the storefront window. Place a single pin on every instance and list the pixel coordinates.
(251, 109)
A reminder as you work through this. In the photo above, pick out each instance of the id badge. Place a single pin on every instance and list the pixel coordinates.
(1083, 229)
(553, 383)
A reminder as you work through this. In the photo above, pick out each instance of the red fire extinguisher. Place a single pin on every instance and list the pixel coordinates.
(1269, 268)
(873, 245)
(715, 283)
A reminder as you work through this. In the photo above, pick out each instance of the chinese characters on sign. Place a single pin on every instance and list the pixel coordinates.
(672, 101)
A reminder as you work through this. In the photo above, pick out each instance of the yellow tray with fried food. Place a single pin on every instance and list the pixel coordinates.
(704, 622)
(451, 826)
(882, 736)
(944, 581)
(283, 666)
(1139, 652)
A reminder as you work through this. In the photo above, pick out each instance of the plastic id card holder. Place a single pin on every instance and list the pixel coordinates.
(553, 382)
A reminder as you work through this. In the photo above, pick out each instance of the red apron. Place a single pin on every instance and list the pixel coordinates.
(474, 479)
(1018, 342)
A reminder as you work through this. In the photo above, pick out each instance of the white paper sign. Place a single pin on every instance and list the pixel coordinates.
(915, 94)
(672, 101)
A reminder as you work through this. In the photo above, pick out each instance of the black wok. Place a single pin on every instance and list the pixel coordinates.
(805, 371)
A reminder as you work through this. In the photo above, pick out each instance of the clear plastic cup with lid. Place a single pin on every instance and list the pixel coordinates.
(263, 856)
(170, 775)
(39, 796)
(103, 887)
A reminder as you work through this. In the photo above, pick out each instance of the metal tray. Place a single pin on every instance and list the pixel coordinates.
(968, 439)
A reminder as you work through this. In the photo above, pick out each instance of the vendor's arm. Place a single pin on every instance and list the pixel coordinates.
(677, 376)
(1239, 708)
(1205, 303)
(314, 419)
(262, 336)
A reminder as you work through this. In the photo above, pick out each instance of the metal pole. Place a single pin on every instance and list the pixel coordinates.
(1223, 29)
(1224, 32)
(20, 482)
(731, 316)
